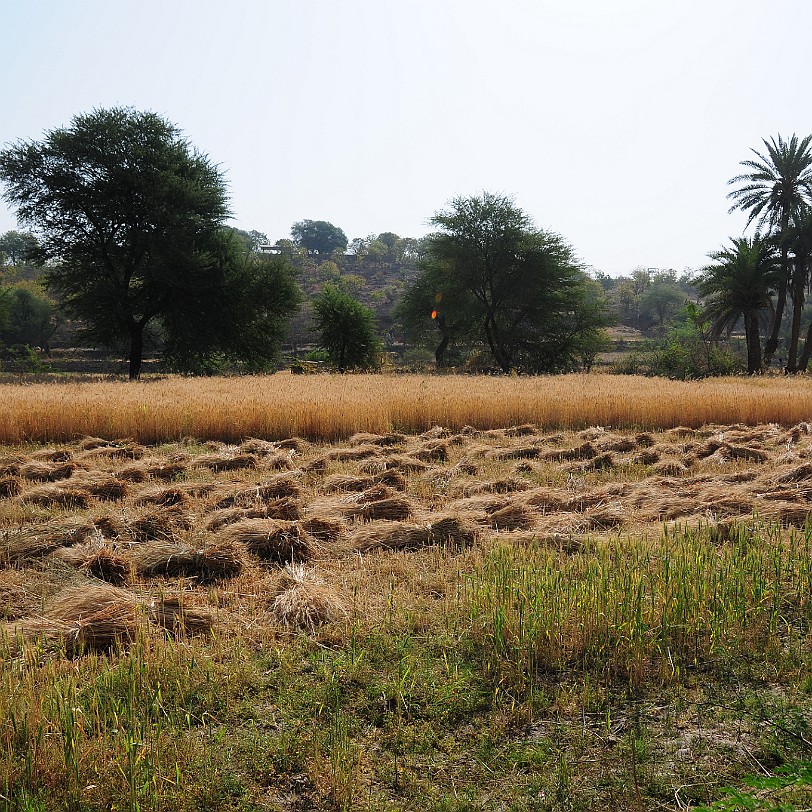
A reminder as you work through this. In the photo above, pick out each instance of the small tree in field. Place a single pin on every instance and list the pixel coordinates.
(346, 329)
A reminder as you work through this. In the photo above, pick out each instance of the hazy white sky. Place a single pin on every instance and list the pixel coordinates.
(616, 123)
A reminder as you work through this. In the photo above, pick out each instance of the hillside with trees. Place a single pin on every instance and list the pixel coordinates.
(128, 252)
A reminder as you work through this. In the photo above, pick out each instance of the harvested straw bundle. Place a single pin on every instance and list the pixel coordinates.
(179, 618)
(361, 452)
(324, 530)
(796, 474)
(216, 562)
(89, 443)
(519, 452)
(102, 486)
(614, 442)
(217, 462)
(132, 473)
(98, 561)
(86, 618)
(276, 488)
(296, 444)
(304, 601)
(521, 431)
(453, 531)
(129, 451)
(448, 531)
(110, 527)
(287, 509)
(646, 457)
(393, 508)
(51, 455)
(56, 496)
(276, 541)
(10, 466)
(670, 468)
(25, 545)
(584, 451)
(514, 516)
(396, 462)
(9, 486)
(502, 486)
(258, 447)
(431, 452)
(159, 524)
(644, 440)
(162, 497)
(550, 500)
(346, 482)
(43, 472)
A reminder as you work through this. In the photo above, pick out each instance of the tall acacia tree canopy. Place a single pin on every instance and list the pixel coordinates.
(490, 276)
(130, 218)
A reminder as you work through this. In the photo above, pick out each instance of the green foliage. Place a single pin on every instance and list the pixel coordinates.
(131, 217)
(318, 237)
(346, 329)
(687, 351)
(16, 247)
(771, 793)
(739, 284)
(660, 301)
(778, 184)
(775, 190)
(235, 315)
(27, 315)
(491, 278)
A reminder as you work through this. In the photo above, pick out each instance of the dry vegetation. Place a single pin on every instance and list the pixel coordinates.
(530, 617)
(328, 408)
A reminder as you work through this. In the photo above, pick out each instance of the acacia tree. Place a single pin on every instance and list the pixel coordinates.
(518, 289)
(776, 189)
(130, 218)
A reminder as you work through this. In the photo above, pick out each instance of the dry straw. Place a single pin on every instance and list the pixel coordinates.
(272, 540)
(84, 618)
(303, 600)
(331, 408)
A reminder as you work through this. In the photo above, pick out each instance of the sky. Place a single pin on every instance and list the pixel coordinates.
(615, 123)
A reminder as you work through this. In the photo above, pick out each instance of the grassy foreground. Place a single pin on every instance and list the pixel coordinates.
(333, 407)
(505, 618)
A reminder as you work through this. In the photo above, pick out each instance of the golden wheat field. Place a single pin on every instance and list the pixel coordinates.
(333, 407)
(368, 579)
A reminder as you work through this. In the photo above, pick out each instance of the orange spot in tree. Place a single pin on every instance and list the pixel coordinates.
(434, 314)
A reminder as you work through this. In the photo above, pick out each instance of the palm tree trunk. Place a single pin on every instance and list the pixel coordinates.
(798, 286)
(772, 342)
(753, 339)
(807, 353)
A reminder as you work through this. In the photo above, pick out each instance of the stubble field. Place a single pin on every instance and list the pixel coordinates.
(441, 609)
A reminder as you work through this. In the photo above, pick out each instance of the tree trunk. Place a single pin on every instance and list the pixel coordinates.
(798, 286)
(772, 342)
(496, 350)
(753, 343)
(805, 355)
(136, 349)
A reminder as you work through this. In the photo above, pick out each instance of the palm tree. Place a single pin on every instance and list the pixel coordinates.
(777, 187)
(737, 285)
(799, 238)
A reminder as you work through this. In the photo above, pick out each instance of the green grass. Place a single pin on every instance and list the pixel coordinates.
(632, 674)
